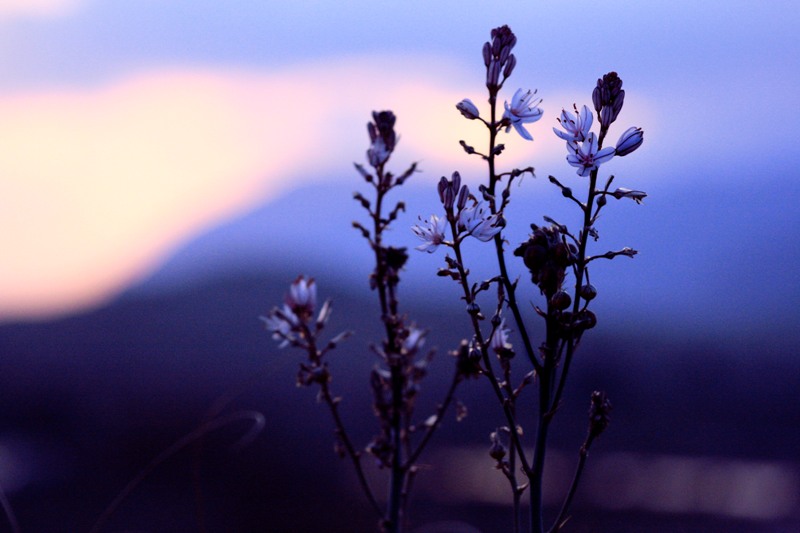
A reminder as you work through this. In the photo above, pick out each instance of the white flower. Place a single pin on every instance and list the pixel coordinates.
(378, 153)
(431, 232)
(499, 341)
(577, 126)
(302, 297)
(586, 157)
(477, 220)
(282, 324)
(468, 109)
(523, 109)
(415, 340)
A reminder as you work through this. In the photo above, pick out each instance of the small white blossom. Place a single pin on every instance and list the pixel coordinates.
(577, 125)
(477, 220)
(499, 341)
(523, 109)
(378, 153)
(282, 323)
(302, 297)
(431, 232)
(586, 157)
(415, 340)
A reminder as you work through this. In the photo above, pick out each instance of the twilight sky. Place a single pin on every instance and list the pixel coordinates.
(128, 128)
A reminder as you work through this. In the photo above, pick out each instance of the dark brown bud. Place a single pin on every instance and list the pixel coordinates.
(560, 300)
(588, 292)
(599, 413)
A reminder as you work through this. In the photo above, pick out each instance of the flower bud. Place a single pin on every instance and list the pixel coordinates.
(302, 297)
(560, 300)
(588, 292)
(599, 413)
(629, 141)
(510, 64)
(468, 109)
(607, 98)
(636, 196)
(497, 450)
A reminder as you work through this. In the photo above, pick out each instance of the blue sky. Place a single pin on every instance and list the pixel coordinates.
(128, 128)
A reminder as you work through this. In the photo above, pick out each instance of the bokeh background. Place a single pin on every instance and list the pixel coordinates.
(167, 168)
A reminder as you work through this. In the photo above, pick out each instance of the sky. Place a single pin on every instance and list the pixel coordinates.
(129, 128)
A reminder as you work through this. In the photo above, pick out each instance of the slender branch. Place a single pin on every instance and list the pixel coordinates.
(583, 454)
(489, 372)
(498, 242)
(442, 408)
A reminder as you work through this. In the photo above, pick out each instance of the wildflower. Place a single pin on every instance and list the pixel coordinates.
(282, 323)
(468, 109)
(523, 109)
(499, 341)
(577, 126)
(302, 297)
(636, 196)
(382, 137)
(450, 190)
(415, 340)
(629, 141)
(477, 221)
(586, 157)
(431, 232)
(497, 57)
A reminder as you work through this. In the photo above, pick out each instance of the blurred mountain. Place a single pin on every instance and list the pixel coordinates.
(88, 400)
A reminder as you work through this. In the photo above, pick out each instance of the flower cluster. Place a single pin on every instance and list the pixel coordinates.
(584, 148)
(289, 324)
(467, 216)
(497, 57)
(547, 256)
(382, 137)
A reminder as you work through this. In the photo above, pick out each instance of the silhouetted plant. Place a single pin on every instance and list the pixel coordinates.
(556, 258)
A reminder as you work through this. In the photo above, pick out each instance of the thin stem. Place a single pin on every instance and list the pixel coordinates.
(412, 458)
(341, 432)
(498, 240)
(584, 453)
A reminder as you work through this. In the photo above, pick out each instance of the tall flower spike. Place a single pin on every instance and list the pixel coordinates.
(577, 126)
(523, 109)
(586, 157)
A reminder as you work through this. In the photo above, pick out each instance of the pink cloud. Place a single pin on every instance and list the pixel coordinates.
(98, 185)
(37, 8)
